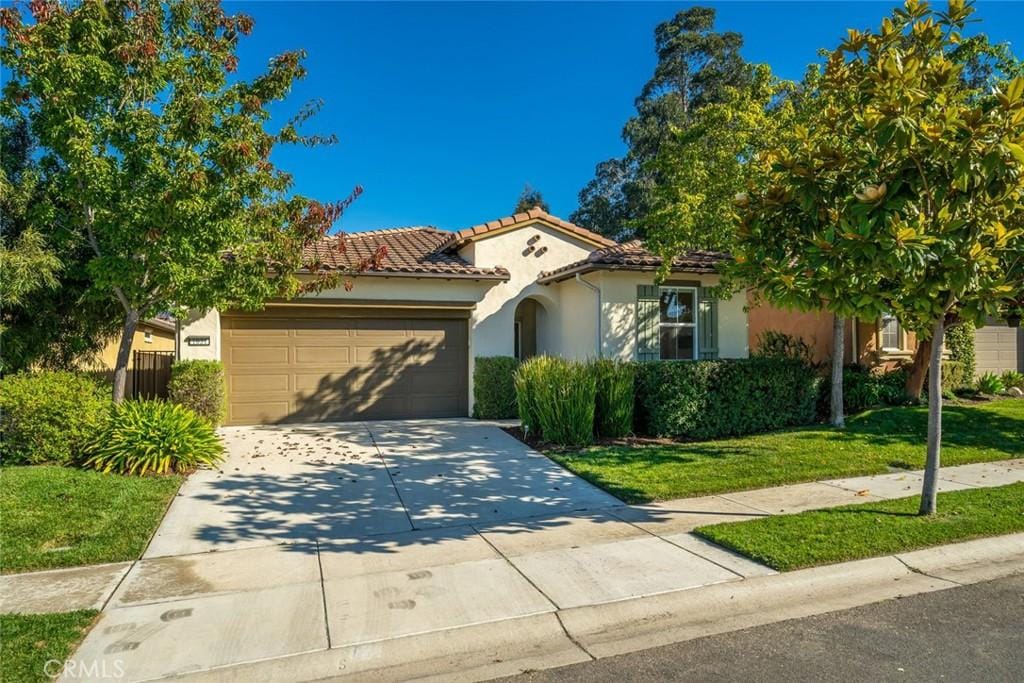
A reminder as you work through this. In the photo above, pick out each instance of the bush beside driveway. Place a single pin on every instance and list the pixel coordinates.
(872, 443)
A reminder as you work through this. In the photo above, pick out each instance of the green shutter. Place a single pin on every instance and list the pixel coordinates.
(707, 323)
(648, 346)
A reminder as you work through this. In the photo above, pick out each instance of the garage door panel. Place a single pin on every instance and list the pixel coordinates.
(291, 368)
(258, 355)
(320, 355)
(258, 384)
(996, 349)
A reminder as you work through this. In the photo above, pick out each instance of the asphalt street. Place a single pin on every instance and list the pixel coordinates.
(971, 633)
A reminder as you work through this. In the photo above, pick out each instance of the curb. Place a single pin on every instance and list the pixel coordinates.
(580, 634)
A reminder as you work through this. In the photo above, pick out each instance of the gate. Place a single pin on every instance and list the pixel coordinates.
(151, 371)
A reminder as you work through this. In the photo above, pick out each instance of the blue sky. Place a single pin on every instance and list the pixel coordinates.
(444, 110)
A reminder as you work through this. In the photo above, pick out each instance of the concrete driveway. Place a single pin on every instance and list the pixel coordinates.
(336, 482)
(361, 544)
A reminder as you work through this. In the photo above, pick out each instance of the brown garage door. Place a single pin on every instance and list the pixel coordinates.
(321, 365)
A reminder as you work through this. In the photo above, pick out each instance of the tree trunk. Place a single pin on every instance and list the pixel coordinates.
(124, 352)
(838, 351)
(931, 467)
(918, 370)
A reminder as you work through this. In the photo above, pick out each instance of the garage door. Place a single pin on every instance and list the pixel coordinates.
(997, 348)
(322, 365)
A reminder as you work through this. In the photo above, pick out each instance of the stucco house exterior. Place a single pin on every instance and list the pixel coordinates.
(402, 342)
(882, 343)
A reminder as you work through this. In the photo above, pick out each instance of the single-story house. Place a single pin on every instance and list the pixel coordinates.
(402, 342)
(882, 343)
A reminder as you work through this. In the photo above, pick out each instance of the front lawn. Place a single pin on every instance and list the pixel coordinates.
(62, 517)
(853, 532)
(32, 640)
(872, 443)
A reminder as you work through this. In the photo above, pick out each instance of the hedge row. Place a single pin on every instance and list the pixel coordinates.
(570, 402)
(718, 398)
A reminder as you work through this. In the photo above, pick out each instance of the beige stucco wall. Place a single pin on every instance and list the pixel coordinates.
(618, 294)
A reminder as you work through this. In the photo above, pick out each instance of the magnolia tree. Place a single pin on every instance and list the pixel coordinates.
(160, 157)
(907, 195)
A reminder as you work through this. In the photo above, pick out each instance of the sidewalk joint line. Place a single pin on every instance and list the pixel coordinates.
(323, 593)
(110, 596)
(572, 639)
(518, 571)
(676, 545)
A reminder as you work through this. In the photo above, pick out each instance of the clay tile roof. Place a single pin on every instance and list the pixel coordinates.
(633, 256)
(413, 251)
(462, 237)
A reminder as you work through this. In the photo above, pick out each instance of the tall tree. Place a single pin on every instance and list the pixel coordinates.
(45, 321)
(160, 157)
(530, 198)
(696, 67)
(930, 227)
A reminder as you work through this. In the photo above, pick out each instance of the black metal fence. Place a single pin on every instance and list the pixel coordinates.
(151, 371)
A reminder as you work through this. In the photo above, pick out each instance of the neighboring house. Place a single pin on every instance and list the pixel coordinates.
(154, 334)
(883, 343)
(402, 342)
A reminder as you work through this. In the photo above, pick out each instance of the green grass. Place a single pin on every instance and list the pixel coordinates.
(871, 443)
(853, 532)
(32, 640)
(63, 517)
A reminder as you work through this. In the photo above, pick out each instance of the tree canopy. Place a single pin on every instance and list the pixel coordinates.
(902, 192)
(530, 198)
(160, 158)
(696, 66)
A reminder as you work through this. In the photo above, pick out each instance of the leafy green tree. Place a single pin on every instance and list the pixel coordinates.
(696, 66)
(44, 321)
(905, 196)
(704, 164)
(160, 158)
(530, 198)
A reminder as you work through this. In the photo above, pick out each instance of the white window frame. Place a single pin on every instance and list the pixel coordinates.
(147, 337)
(696, 316)
(881, 333)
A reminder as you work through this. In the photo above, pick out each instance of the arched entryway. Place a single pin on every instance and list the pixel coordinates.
(530, 321)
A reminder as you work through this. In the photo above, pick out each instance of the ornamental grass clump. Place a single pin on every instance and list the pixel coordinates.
(526, 379)
(563, 398)
(991, 383)
(613, 408)
(154, 437)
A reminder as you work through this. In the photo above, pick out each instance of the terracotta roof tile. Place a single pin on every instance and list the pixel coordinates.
(410, 251)
(633, 256)
(460, 238)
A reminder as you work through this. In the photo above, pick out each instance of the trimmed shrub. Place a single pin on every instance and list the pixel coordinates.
(49, 417)
(494, 390)
(1012, 378)
(200, 386)
(613, 407)
(960, 342)
(864, 389)
(156, 437)
(718, 398)
(991, 383)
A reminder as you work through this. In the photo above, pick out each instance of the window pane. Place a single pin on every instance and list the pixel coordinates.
(890, 333)
(677, 343)
(676, 306)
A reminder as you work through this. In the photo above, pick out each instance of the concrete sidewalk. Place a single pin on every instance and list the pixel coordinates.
(569, 587)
